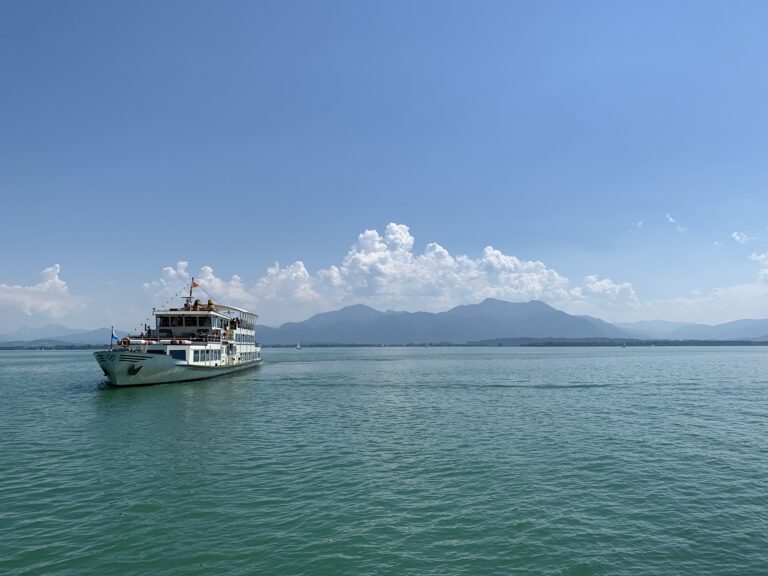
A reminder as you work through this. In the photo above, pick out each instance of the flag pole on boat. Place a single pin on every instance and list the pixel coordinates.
(191, 286)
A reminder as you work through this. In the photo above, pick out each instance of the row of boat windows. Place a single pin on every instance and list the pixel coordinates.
(202, 322)
(206, 355)
(246, 322)
(247, 338)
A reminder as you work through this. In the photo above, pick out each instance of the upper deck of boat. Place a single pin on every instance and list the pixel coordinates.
(205, 322)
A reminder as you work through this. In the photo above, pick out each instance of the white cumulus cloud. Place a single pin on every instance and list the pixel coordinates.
(176, 280)
(610, 292)
(740, 237)
(50, 296)
(679, 227)
(761, 259)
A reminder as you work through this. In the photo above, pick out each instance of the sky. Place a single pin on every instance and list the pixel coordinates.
(608, 158)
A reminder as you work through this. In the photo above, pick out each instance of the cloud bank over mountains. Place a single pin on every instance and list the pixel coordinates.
(384, 271)
(49, 297)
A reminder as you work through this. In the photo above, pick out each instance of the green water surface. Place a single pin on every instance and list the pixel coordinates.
(391, 461)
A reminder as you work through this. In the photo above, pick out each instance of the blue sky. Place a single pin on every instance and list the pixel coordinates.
(606, 157)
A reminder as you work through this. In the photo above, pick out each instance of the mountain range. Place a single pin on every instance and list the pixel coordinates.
(489, 320)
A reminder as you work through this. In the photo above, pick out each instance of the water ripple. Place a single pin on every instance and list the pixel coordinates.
(391, 461)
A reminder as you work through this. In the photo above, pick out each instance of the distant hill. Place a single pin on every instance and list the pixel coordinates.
(651, 328)
(98, 336)
(44, 343)
(487, 320)
(355, 313)
(48, 331)
(737, 330)
(78, 337)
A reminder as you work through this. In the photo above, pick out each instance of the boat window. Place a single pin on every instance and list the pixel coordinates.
(190, 321)
(178, 354)
(204, 321)
(163, 321)
(177, 321)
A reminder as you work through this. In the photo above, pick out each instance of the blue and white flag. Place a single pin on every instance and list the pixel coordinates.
(114, 336)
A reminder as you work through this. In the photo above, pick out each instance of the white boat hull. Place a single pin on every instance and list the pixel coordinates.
(129, 368)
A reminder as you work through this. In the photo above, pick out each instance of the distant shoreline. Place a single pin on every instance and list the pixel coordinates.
(497, 343)
(538, 343)
(56, 347)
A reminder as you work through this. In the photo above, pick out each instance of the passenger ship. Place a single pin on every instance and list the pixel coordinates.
(194, 342)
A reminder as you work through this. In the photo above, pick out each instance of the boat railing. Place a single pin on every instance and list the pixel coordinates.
(140, 342)
(176, 338)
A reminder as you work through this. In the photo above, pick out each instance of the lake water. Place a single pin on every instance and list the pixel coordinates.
(391, 461)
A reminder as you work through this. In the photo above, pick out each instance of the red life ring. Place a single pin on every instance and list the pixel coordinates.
(125, 342)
